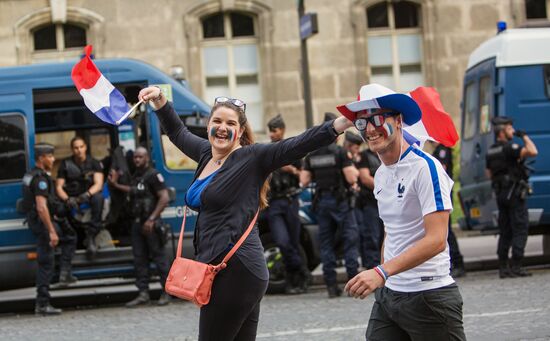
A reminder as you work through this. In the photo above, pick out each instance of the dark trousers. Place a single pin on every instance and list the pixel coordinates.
(371, 231)
(234, 308)
(284, 224)
(426, 315)
(144, 247)
(334, 216)
(45, 256)
(96, 204)
(513, 223)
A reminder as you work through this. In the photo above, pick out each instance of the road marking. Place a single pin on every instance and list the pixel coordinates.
(364, 326)
(311, 331)
(501, 313)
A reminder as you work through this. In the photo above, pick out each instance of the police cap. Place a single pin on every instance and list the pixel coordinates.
(353, 138)
(329, 116)
(276, 122)
(43, 148)
(502, 120)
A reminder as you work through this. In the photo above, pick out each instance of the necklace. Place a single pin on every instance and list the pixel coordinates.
(218, 162)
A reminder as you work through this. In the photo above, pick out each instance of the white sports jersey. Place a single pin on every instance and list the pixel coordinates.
(406, 192)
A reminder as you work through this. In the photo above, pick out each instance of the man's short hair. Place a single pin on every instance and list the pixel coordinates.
(276, 123)
(353, 138)
(76, 138)
(329, 116)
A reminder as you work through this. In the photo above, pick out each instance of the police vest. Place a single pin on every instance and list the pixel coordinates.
(77, 181)
(283, 184)
(29, 201)
(326, 168)
(142, 195)
(503, 167)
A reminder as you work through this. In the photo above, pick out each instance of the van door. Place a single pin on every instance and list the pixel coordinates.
(478, 108)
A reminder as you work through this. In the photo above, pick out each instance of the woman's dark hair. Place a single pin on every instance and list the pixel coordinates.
(247, 138)
(76, 138)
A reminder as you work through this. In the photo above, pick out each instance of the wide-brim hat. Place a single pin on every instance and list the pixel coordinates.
(376, 96)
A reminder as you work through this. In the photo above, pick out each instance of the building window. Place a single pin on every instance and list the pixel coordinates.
(13, 154)
(59, 37)
(535, 9)
(394, 43)
(230, 62)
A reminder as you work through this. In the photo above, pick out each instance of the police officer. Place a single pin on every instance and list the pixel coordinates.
(445, 155)
(509, 179)
(371, 229)
(283, 216)
(332, 171)
(148, 197)
(40, 206)
(80, 180)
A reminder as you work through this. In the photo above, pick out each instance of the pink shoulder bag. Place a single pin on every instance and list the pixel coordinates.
(192, 280)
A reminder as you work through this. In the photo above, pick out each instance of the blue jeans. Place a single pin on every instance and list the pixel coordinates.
(333, 216)
(371, 232)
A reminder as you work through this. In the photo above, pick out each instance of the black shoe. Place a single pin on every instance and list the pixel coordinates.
(164, 299)
(66, 279)
(458, 271)
(46, 310)
(504, 270)
(142, 298)
(305, 279)
(334, 291)
(517, 270)
(292, 286)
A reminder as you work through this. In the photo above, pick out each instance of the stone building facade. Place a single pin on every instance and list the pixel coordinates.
(251, 48)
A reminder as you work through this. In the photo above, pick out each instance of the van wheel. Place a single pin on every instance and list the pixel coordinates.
(275, 266)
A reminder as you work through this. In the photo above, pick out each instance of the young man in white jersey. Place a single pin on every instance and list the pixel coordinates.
(416, 298)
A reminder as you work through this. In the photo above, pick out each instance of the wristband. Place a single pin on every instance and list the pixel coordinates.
(380, 270)
(334, 130)
(159, 96)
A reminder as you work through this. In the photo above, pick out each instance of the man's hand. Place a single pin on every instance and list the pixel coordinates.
(84, 197)
(364, 284)
(54, 239)
(148, 226)
(520, 133)
(73, 203)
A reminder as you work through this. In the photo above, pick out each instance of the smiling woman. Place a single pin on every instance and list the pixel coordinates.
(228, 187)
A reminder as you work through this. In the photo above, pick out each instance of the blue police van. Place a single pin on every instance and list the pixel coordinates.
(39, 103)
(507, 75)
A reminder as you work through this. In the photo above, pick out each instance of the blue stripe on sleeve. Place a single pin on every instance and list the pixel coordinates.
(435, 179)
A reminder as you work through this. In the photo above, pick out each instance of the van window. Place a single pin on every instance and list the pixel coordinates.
(174, 158)
(485, 92)
(470, 106)
(12, 147)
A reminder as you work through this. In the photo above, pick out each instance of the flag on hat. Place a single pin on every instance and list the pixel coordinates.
(100, 96)
(435, 124)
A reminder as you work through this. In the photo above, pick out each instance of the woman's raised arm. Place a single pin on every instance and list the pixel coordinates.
(190, 144)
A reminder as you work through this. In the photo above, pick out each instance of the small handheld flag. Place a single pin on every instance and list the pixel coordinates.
(100, 96)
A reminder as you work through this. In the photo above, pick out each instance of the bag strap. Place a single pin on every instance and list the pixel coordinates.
(233, 249)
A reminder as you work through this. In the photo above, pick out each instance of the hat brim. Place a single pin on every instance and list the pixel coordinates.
(399, 102)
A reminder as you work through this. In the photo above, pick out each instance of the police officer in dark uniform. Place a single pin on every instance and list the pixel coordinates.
(510, 184)
(283, 217)
(41, 208)
(371, 229)
(148, 197)
(80, 180)
(445, 155)
(332, 171)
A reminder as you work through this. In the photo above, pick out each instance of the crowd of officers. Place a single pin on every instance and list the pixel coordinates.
(53, 209)
(343, 201)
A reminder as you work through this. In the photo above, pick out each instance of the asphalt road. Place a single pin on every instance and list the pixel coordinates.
(494, 309)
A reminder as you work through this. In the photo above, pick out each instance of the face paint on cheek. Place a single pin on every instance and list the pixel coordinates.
(388, 130)
(231, 134)
(213, 131)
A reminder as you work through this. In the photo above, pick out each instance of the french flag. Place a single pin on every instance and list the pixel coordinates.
(435, 124)
(100, 96)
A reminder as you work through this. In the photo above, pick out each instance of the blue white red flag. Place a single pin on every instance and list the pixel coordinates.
(100, 96)
(435, 124)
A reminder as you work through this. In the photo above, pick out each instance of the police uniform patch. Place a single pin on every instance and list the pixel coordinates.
(160, 177)
(43, 185)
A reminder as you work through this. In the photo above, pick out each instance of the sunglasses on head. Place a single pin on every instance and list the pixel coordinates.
(377, 120)
(236, 102)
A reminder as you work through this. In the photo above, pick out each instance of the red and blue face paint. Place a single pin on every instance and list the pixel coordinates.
(378, 121)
